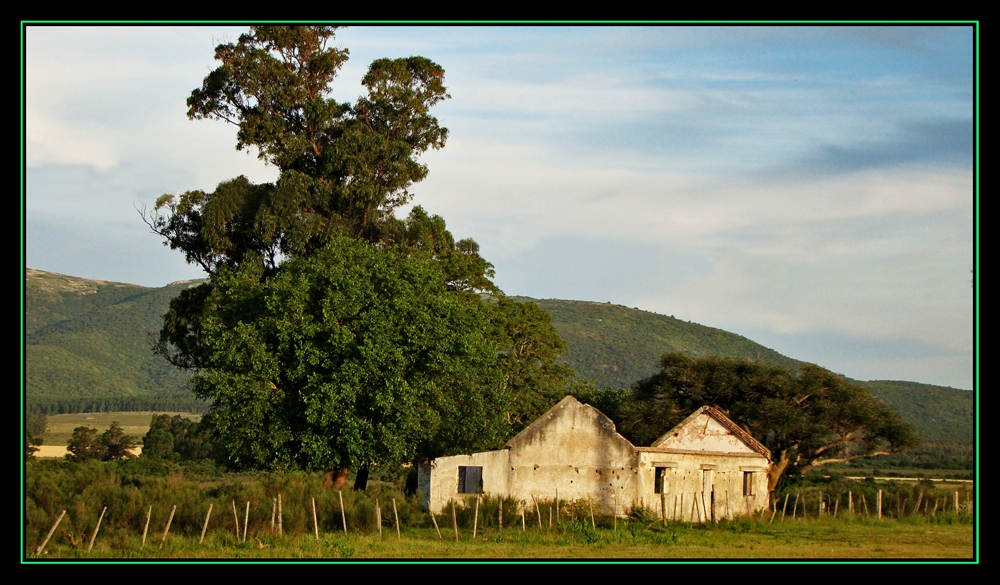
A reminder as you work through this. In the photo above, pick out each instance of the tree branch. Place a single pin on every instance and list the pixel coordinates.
(844, 459)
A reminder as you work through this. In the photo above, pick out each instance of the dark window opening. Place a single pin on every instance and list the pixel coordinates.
(747, 483)
(659, 480)
(470, 479)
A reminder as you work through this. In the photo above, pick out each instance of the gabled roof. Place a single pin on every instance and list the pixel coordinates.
(564, 405)
(717, 415)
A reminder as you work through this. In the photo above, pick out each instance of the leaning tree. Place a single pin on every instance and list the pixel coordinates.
(807, 418)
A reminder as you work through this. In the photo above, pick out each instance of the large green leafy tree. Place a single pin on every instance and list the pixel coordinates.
(351, 357)
(338, 391)
(807, 418)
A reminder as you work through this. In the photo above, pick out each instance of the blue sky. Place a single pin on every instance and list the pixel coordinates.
(810, 188)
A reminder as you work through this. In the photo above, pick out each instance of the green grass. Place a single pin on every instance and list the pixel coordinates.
(860, 538)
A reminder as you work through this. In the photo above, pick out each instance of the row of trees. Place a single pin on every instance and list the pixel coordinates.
(331, 334)
(111, 445)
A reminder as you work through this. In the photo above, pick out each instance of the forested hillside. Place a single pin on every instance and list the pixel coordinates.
(943, 416)
(615, 345)
(87, 344)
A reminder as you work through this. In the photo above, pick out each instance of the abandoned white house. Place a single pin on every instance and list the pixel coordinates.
(705, 468)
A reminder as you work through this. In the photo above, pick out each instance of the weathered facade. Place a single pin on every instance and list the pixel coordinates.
(705, 468)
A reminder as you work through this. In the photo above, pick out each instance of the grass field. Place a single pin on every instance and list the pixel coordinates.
(916, 538)
(60, 426)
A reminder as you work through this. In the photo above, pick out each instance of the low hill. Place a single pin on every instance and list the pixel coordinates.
(87, 344)
(615, 345)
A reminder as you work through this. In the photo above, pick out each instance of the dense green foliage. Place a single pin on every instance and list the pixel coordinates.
(531, 348)
(807, 418)
(351, 357)
(179, 438)
(615, 346)
(111, 445)
(84, 445)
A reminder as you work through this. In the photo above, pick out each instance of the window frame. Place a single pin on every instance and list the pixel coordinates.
(463, 479)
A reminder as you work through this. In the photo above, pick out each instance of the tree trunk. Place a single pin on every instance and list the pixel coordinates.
(774, 473)
(361, 481)
(336, 478)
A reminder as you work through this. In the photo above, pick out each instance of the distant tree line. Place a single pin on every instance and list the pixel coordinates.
(118, 404)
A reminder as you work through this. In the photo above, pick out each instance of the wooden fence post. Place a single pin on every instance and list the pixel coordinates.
(850, 502)
(315, 521)
(236, 519)
(523, 523)
(280, 516)
(454, 519)
(343, 515)
(205, 526)
(96, 528)
(378, 516)
(52, 530)
(795, 508)
(538, 511)
(166, 530)
(475, 519)
(436, 529)
(557, 507)
(149, 514)
(880, 504)
(396, 516)
(956, 502)
(274, 512)
(246, 521)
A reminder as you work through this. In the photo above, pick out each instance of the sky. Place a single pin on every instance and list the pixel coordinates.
(810, 188)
